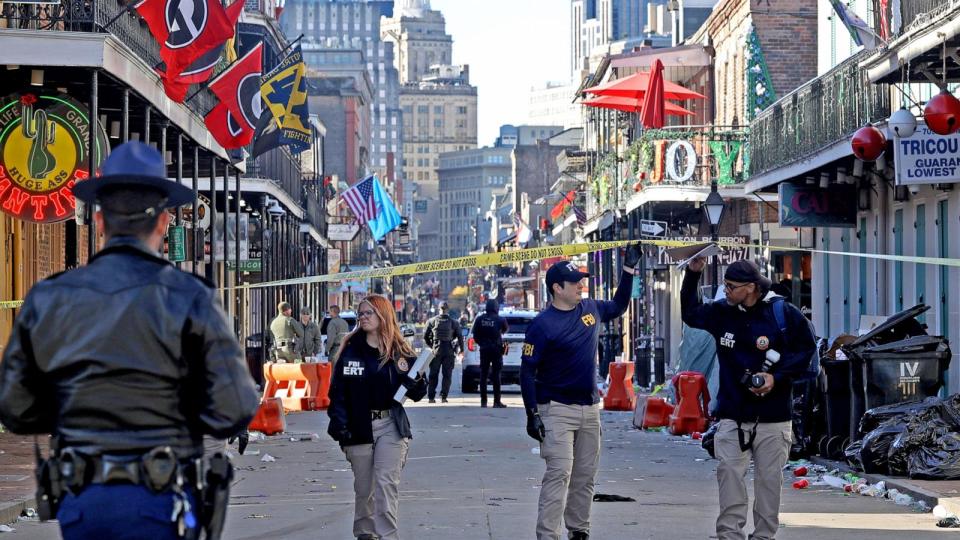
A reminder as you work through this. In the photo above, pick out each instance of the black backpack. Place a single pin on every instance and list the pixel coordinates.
(444, 331)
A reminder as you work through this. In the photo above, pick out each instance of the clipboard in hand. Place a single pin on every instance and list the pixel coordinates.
(419, 367)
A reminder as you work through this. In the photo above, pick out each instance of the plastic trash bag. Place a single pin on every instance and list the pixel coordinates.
(878, 415)
(922, 430)
(875, 446)
(937, 461)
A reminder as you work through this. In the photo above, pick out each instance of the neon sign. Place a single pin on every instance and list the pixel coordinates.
(44, 141)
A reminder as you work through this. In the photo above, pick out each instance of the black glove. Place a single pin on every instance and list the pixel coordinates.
(535, 427)
(244, 439)
(632, 256)
(409, 383)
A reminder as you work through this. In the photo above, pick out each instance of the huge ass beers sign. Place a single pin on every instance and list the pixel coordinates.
(44, 145)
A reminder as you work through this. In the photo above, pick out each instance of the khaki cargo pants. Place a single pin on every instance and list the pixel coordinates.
(770, 452)
(376, 481)
(571, 450)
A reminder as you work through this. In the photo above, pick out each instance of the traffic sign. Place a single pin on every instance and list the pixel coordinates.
(657, 229)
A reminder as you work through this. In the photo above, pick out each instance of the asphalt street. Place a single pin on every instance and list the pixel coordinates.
(472, 474)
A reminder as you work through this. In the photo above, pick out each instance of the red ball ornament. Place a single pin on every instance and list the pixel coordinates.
(942, 113)
(868, 143)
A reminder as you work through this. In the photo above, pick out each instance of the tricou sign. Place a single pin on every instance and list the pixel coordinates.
(43, 153)
(927, 158)
(812, 206)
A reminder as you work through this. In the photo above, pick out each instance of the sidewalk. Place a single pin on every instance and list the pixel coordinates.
(17, 483)
(933, 492)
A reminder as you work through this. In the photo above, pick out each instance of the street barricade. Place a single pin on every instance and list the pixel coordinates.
(300, 387)
(620, 396)
(693, 402)
(270, 418)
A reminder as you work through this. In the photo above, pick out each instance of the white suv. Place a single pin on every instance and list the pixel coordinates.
(518, 321)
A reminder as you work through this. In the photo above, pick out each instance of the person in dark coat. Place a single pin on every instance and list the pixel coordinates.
(128, 362)
(488, 332)
(372, 428)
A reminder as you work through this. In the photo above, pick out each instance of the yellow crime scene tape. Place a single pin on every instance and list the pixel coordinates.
(532, 254)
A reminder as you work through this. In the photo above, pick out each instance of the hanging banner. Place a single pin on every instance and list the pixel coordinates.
(44, 140)
(927, 158)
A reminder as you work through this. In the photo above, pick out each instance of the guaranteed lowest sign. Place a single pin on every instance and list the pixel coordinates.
(927, 158)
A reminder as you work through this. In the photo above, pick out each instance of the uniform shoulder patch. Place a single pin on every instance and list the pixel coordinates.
(589, 319)
(527, 349)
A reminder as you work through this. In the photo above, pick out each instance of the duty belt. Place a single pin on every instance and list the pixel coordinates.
(158, 470)
(379, 415)
(286, 342)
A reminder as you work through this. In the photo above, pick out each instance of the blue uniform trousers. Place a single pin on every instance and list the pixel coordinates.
(120, 512)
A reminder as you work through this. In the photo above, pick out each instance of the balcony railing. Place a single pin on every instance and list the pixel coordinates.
(912, 13)
(281, 167)
(93, 16)
(819, 113)
(316, 211)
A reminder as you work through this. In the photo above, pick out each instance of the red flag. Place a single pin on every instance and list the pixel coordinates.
(238, 87)
(199, 71)
(227, 131)
(196, 26)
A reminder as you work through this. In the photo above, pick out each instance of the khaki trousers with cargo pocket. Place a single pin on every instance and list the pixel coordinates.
(770, 452)
(571, 450)
(376, 481)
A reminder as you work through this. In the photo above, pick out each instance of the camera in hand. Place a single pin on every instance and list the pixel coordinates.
(756, 380)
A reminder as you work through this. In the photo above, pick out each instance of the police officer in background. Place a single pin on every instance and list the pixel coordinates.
(443, 335)
(287, 334)
(488, 332)
(311, 344)
(336, 329)
(755, 400)
(141, 365)
(558, 380)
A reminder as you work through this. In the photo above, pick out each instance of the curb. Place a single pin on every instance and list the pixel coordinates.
(10, 511)
(903, 485)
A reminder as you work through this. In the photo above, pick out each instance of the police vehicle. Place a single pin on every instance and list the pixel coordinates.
(518, 321)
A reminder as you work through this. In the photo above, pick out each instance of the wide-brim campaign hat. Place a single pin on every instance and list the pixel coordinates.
(134, 164)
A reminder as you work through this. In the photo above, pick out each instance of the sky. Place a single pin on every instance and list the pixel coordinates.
(511, 46)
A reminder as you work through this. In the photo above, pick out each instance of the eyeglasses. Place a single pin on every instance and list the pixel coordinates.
(365, 313)
(728, 287)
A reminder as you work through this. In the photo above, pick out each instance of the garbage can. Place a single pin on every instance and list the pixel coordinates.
(254, 357)
(641, 358)
(896, 361)
(836, 393)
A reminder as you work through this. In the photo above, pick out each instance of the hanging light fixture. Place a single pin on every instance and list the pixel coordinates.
(903, 123)
(36, 77)
(942, 112)
(714, 206)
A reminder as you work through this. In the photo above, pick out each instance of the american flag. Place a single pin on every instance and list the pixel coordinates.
(581, 215)
(360, 200)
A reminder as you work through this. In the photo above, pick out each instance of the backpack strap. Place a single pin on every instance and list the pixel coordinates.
(779, 313)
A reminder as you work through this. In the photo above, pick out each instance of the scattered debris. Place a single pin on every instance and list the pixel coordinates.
(950, 522)
(535, 450)
(256, 516)
(801, 484)
(267, 458)
(6, 528)
(604, 497)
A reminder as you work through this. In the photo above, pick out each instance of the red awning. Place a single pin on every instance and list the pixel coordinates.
(632, 105)
(635, 86)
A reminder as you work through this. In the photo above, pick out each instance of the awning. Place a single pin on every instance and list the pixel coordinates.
(635, 86)
(599, 223)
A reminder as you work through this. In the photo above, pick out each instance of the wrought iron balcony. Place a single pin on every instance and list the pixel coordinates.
(315, 208)
(823, 111)
(912, 13)
(93, 16)
(280, 167)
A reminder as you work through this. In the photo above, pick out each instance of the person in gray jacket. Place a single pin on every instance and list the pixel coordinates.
(337, 329)
(311, 344)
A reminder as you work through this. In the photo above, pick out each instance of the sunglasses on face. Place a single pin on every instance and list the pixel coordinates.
(727, 286)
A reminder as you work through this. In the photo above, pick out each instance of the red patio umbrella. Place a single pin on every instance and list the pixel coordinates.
(652, 115)
(632, 105)
(635, 86)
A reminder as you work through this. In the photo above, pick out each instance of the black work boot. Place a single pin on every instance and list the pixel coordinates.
(499, 405)
(579, 535)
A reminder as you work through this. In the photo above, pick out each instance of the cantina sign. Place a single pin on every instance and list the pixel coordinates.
(44, 140)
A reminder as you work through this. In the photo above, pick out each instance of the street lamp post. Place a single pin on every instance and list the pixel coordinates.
(714, 207)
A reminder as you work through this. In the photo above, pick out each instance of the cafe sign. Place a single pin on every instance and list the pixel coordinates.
(44, 140)
(813, 206)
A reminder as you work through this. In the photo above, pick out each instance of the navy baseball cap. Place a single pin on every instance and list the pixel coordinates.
(564, 272)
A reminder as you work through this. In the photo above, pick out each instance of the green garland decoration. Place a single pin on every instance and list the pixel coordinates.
(760, 92)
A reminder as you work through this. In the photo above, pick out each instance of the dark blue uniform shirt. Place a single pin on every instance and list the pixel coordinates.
(559, 357)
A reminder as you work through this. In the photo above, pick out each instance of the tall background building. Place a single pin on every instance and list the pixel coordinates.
(439, 108)
(595, 24)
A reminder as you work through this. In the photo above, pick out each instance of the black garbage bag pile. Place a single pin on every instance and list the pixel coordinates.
(920, 439)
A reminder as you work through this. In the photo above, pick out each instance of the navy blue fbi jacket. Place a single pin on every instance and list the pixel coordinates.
(559, 360)
(743, 335)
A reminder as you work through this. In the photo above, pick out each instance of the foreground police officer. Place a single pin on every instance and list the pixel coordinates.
(128, 362)
(558, 380)
(755, 401)
(488, 332)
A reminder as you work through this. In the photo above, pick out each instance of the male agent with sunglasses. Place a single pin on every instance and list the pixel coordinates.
(758, 362)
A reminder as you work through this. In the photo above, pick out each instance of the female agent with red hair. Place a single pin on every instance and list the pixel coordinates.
(373, 362)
